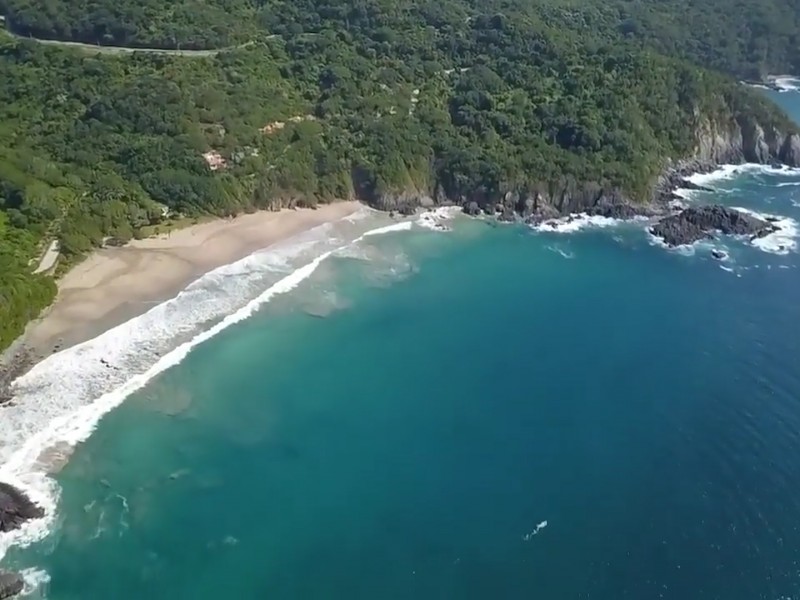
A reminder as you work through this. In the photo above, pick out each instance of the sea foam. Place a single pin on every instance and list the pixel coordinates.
(729, 172)
(576, 222)
(60, 401)
(782, 241)
(786, 83)
(435, 219)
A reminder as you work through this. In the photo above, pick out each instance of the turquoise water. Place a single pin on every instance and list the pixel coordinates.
(489, 412)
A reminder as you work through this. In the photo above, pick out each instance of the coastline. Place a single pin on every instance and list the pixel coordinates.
(113, 285)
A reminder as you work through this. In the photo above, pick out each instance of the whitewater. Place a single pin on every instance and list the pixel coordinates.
(60, 401)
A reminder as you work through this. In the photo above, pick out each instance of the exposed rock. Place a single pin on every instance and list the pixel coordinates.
(693, 224)
(472, 209)
(719, 254)
(790, 151)
(14, 366)
(731, 140)
(11, 584)
(16, 508)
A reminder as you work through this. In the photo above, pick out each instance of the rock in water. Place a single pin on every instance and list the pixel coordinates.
(11, 584)
(697, 223)
(719, 254)
(16, 508)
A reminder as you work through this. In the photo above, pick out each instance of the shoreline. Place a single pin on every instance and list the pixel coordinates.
(114, 285)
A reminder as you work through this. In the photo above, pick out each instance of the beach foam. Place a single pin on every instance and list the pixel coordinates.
(61, 400)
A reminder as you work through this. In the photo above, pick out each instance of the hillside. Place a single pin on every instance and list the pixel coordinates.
(371, 99)
(187, 24)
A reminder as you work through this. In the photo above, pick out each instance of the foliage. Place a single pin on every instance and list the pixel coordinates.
(186, 24)
(341, 98)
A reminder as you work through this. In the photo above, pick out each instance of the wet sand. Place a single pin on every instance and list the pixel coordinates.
(116, 284)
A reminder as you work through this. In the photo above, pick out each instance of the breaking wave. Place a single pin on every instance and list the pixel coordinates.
(60, 401)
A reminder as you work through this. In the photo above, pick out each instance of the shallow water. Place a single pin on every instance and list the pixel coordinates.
(485, 412)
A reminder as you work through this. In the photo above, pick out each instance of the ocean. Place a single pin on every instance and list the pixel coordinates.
(435, 408)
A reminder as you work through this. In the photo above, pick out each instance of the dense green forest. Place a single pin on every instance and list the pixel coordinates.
(188, 24)
(335, 99)
(745, 37)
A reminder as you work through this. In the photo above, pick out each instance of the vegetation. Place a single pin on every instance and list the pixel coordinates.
(187, 24)
(341, 98)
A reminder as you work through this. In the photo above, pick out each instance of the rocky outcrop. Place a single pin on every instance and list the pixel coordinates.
(11, 584)
(12, 366)
(729, 140)
(693, 224)
(16, 508)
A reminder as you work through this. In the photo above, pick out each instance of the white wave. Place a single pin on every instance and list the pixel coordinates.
(528, 536)
(576, 222)
(362, 213)
(684, 195)
(786, 83)
(728, 269)
(61, 400)
(36, 582)
(788, 184)
(728, 172)
(683, 249)
(435, 219)
(783, 241)
(401, 226)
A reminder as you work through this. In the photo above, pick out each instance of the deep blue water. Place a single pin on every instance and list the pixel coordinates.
(461, 389)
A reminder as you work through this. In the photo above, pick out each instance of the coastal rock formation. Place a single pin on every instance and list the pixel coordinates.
(12, 367)
(11, 584)
(718, 142)
(16, 508)
(693, 224)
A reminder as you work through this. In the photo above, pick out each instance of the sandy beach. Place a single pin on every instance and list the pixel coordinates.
(116, 284)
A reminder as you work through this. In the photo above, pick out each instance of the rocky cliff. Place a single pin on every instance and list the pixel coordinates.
(717, 142)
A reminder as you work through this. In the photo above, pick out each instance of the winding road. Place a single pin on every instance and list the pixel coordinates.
(98, 49)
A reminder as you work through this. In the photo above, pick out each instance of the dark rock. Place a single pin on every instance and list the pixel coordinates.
(472, 209)
(693, 224)
(688, 184)
(16, 508)
(719, 254)
(11, 584)
(619, 210)
(407, 209)
(15, 366)
(507, 216)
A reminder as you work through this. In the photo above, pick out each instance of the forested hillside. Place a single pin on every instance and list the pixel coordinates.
(187, 24)
(335, 99)
(745, 37)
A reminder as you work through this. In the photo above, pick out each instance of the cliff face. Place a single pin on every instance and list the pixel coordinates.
(746, 140)
(732, 141)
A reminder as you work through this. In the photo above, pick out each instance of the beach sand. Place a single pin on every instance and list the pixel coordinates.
(116, 284)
